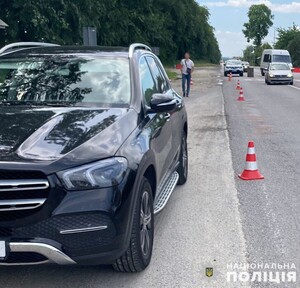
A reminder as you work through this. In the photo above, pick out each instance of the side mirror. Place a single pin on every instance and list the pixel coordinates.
(162, 103)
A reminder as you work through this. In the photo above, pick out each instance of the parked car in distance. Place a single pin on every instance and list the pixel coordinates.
(233, 66)
(279, 73)
(274, 56)
(245, 65)
(93, 142)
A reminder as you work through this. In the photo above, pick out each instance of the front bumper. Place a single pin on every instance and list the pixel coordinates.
(36, 253)
(86, 227)
(84, 238)
(279, 80)
(233, 71)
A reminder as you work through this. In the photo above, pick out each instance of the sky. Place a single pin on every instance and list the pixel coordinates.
(228, 17)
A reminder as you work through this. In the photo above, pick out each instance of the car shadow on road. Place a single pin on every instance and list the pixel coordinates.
(63, 276)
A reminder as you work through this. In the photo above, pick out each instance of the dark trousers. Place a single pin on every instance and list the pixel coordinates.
(187, 79)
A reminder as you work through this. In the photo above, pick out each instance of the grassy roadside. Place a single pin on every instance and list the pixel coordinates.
(172, 75)
(202, 63)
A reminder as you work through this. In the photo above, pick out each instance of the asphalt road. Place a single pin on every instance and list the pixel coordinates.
(215, 219)
(270, 209)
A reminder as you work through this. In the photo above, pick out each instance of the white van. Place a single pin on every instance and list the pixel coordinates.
(274, 56)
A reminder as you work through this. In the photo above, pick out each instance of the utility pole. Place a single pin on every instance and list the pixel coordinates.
(275, 28)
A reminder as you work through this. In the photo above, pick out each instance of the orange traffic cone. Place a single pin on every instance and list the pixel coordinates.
(251, 172)
(241, 97)
(230, 77)
(238, 85)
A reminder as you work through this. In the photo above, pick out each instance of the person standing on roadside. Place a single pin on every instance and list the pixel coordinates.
(187, 68)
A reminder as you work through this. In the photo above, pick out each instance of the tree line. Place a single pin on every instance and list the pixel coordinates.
(257, 28)
(175, 26)
(289, 39)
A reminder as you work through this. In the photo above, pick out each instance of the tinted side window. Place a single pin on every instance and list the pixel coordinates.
(147, 83)
(267, 58)
(160, 81)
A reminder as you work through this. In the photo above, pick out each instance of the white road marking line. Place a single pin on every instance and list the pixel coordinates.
(252, 80)
(298, 88)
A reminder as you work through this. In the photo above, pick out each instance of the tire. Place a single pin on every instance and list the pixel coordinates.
(242, 74)
(262, 72)
(266, 81)
(225, 74)
(183, 168)
(138, 255)
(292, 83)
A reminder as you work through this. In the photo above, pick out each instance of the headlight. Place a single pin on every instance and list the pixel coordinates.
(290, 75)
(101, 174)
(271, 75)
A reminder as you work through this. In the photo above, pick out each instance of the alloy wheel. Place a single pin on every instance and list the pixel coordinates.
(145, 222)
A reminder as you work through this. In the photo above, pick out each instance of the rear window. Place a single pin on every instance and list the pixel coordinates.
(68, 79)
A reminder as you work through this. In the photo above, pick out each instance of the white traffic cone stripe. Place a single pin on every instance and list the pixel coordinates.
(251, 151)
(251, 166)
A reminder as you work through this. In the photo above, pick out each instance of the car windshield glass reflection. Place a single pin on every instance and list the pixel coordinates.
(282, 58)
(280, 67)
(234, 63)
(65, 80)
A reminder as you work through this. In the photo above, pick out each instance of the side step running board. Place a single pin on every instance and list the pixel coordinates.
(166, 192)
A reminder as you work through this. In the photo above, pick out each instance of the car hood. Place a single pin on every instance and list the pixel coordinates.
(74, 134)
(280, 72)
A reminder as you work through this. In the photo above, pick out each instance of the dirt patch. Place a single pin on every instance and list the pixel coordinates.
(203, 79)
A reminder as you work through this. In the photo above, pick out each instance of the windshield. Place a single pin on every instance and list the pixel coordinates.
(65, 79)
(281, 58)
(280, 67)
(234, 62)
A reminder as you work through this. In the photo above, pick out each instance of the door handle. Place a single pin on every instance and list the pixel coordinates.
(167, 116)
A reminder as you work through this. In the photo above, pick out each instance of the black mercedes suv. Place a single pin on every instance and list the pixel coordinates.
(93, 141)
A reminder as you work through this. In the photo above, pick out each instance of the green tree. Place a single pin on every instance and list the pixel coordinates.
(260, 20)
(248, 54)
(289, 39)
(294, 50)
(285, 36)
(173, 25)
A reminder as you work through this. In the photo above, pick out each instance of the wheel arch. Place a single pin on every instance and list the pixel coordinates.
(150, 174)
(185, 128)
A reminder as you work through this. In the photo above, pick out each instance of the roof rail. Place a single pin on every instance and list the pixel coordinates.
(135, 46)
(14, 46)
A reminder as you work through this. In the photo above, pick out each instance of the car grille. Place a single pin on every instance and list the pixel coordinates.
(281, 76)
(51, 228)
(234, 68)
(22, 193)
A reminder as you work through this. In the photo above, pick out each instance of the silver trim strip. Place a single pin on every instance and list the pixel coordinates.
(83, 230)
(165, 194)
(53, 254)
(25, 45)
(135, 46)
(14, 185)
(24, 204)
